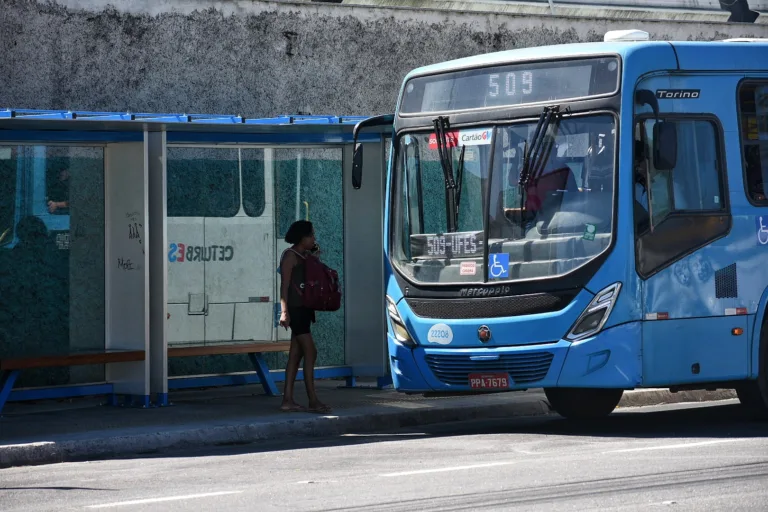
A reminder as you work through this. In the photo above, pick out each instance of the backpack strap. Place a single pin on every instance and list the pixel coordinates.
(297, 253)
(282, 256)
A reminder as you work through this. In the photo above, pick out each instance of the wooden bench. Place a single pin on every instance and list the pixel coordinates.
(11, 367)
(254, 351)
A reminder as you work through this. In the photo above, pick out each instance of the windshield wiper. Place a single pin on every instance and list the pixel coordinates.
(536, 152)
(446, 162)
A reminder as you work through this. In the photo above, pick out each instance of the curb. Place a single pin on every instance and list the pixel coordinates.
(360, 421)
(646, 397)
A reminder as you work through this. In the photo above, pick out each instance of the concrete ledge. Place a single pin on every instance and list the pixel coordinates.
(640, 13)
(643, 397)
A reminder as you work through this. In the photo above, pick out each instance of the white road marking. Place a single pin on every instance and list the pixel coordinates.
(677, 446)
(454, 468)
(158, 500)
(408, 434)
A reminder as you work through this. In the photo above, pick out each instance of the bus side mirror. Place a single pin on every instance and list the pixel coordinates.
(664, 145)
(357, 167)
(357, 156)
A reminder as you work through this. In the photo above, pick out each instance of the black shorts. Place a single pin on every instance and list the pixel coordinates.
(301, 320)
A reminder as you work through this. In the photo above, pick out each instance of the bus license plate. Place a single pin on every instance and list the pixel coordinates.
(488, 380)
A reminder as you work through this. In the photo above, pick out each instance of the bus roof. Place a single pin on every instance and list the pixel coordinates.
(721, 55)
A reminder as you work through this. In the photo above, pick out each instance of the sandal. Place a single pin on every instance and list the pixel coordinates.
(293, 408)
(323, 409)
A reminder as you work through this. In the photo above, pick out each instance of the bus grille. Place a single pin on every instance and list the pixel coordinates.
(494, 307)
(523, 368)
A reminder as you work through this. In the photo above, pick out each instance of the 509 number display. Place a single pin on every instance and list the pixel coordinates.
(510, 84)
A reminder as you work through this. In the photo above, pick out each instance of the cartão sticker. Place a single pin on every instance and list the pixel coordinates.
(468, 268)
(441, 334)
(475, 137)
(455, 138)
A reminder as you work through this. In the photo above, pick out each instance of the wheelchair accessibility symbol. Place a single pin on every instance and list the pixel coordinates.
(498, 265)
(762, 230)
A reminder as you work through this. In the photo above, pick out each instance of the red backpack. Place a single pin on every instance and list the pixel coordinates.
(320, 290)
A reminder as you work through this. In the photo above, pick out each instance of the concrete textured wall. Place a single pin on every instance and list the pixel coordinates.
(260, 58)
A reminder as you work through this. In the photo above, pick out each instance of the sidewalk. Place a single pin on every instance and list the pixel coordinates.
(81, 429)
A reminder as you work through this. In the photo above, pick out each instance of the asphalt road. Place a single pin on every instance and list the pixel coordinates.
(706, 457)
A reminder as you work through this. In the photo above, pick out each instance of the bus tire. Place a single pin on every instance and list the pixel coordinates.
(753, 394)
(583, 403)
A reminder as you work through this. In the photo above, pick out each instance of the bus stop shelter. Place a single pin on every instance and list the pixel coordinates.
(139, 252)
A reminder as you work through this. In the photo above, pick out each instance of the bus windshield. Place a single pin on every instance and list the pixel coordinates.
(552, 220)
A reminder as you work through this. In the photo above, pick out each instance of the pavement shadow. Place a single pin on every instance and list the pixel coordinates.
(689, 420)
(674, 421)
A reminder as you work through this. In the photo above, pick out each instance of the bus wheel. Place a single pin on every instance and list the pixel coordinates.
(583, 403)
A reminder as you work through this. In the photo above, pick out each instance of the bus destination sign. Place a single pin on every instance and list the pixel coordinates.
(466, 244)
(511, 85)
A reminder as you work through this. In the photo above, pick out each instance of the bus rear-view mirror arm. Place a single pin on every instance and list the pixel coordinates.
(357, 157)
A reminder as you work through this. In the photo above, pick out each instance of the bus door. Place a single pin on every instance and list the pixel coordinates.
(686, 262)
(220, 231)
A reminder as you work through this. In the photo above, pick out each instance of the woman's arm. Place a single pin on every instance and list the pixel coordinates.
(286, 269)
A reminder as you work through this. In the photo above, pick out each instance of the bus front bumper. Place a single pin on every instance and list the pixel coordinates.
(612, 359)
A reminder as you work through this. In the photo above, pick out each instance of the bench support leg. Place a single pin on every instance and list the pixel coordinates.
(381, 383)
(7, 380)
(263, 370)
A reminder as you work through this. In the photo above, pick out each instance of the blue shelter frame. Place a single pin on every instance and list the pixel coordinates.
(135, 156)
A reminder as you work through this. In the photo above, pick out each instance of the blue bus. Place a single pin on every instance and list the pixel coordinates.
(586, 219)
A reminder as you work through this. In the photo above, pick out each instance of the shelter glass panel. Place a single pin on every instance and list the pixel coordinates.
(308, 185)
(52, 292)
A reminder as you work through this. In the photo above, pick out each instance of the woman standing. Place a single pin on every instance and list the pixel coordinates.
(301, 236)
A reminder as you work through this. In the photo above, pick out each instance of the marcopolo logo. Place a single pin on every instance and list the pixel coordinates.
(440, 333)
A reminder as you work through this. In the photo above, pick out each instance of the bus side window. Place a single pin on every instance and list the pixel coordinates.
(203, 182)
(695, 184)
(254, 184)
(753, 110)
(684, 200)
(8, 161)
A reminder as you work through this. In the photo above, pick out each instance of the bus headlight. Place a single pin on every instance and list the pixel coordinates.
(596, 314)
(398, 326)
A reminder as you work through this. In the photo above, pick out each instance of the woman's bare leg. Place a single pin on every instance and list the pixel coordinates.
(291, 370)
(310, 357)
